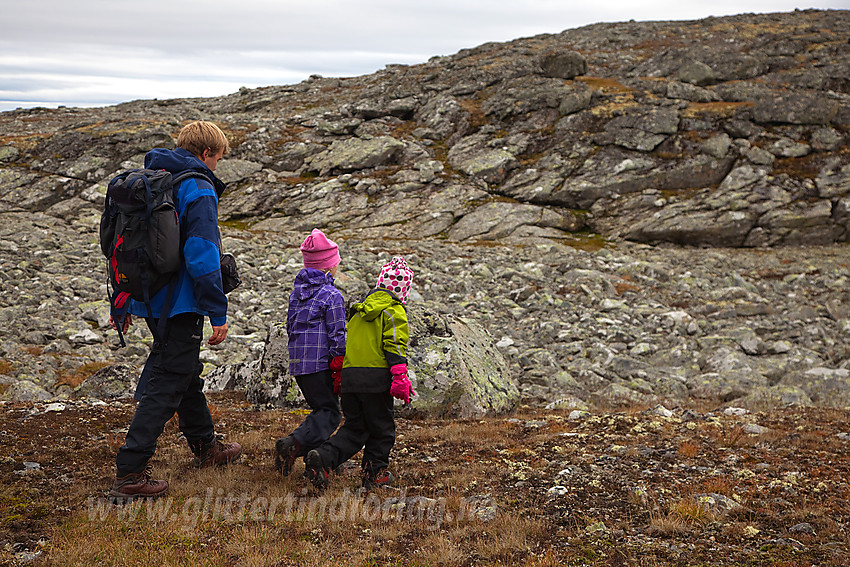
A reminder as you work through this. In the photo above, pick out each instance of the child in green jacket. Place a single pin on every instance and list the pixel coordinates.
(373, 372)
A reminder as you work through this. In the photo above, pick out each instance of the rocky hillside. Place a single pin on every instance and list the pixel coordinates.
(639, 212)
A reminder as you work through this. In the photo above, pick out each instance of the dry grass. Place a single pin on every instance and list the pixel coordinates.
(606, 85)
(689, 449)
(468, 492)
(720, 109)
(80, 374)
(684, 516)
(6, 367)
(720, 484)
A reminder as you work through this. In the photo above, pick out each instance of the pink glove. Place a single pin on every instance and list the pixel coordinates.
(336, 374)
(401, 387)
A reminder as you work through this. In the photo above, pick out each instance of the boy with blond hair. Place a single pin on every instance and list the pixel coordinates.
(171, 382)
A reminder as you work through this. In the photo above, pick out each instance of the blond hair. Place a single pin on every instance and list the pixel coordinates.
(201, 135)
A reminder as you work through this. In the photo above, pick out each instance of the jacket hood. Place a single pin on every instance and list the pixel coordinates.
(374, 303)
(309, 281)
(179, 160)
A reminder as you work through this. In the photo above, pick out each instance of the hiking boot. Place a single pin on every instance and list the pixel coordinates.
(286, 451)
(315, 471)
(217, 453)
(136, 485)
(379, 480)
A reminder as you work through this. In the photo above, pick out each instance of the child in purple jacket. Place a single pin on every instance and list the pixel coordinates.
(316, 328)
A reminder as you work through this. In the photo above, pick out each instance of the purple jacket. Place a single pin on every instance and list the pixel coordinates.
(315, 323)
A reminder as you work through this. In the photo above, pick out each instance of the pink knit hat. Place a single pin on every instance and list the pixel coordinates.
(396, 277)
(319, 252)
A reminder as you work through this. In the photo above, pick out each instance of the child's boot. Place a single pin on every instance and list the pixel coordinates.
(382, 478)
(315, 470)
(286, 451)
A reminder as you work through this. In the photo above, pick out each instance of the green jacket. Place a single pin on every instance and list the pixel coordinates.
(376, 339)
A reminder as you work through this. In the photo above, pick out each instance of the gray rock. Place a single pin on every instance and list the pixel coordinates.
(785, 147)
(763, 397)
(458, 370)
(497, 220)
(354, 154)
(829, 387)
(26, 391)
(717, 504)
(795, 108)
(718, 146)
(833, 180)
(115, 381)
(235, 170)
(826, 139)
(524, 200)
(691, 92)
(563, 64)
(697, 73)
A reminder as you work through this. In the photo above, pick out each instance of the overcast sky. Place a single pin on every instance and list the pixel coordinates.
(102, 52)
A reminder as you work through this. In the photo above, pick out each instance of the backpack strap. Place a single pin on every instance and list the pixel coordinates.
(159, 330)
(189, 173)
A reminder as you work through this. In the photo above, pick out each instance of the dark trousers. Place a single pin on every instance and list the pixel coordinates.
(368, 425)
(318, 390)
(174, 385)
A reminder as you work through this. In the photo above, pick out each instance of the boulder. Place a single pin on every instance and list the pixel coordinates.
(828, 387)
(353, 154)
(475, 157)
(795, 108)
(235, 170)
(456, 368)
(115, 381)
(696, 73)
(453, 363)
(266, 381)
(562, 64)
(499, 219)
(26, 391)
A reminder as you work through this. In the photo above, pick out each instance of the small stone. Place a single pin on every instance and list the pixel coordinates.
(557, 491)
(662, 411)
(803, 528)
(753, 429)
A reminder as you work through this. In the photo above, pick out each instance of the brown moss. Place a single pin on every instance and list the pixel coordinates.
(606, 85)
(81, 374)
(722, 109)
(472, 107)
(806, 167)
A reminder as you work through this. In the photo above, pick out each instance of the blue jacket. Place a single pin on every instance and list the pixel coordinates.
(199, 287)
(315, 322)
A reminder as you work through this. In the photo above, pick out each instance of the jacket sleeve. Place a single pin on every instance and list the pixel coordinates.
(335, 323)
(201, 254)
(395, 336)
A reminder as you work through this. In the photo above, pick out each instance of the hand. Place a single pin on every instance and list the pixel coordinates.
(128, 320)
(218, 335)
(336, 373)
(401, 387)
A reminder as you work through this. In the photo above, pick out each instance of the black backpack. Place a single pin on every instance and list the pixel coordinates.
(140, 238)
